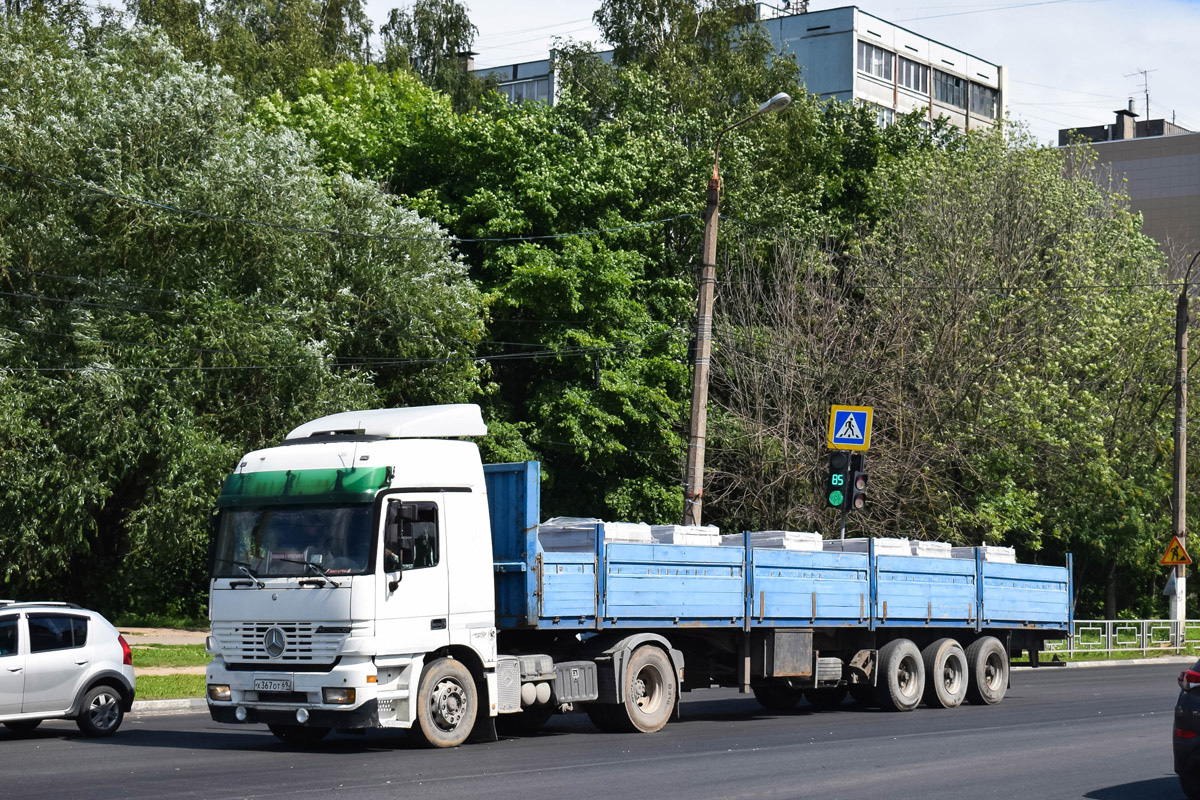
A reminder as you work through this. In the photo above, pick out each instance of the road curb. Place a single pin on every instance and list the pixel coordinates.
(189, 705)
(1117, 662)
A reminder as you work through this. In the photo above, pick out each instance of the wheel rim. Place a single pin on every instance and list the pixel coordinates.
(953, 676)
(993, 672)
(103, 711)
(448, 704)
(646, 689)
(907, 677)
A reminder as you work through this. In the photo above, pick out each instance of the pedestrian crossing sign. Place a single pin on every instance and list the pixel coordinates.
(849, 427)
(1175, 555)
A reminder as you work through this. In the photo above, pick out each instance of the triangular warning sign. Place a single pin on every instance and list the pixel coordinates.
(1175, 554)
(849, 429)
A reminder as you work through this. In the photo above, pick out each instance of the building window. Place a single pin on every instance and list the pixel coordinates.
(883, 116)
(913, 75)
(984, 101)
(521, 91)
(874, 60)
(949, 90)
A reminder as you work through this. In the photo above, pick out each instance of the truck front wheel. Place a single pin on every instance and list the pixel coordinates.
(446, 703)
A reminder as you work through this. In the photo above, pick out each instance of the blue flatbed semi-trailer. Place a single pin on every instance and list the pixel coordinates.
(780, 623)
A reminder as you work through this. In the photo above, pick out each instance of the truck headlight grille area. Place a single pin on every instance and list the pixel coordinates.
(260, 641)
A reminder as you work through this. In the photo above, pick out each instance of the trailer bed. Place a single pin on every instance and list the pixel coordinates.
(642, 586)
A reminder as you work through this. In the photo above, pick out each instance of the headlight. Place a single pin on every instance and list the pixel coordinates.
(337, 696)
(219, 692)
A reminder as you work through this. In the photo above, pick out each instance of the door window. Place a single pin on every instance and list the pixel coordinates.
(56, 632)
(422, 531)
(8, 636)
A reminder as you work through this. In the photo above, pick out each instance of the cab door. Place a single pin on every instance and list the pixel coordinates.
(414, 608)
(12, 665)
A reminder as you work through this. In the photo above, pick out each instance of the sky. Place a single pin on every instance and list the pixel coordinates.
(1071, 63)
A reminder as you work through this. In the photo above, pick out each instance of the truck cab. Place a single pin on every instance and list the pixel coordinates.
(348, 561)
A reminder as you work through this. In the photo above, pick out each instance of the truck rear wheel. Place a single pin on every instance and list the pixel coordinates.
(446, 703)
(650, 690)
(776, 696)
(945, 674)
(901, 676)
(988, 669)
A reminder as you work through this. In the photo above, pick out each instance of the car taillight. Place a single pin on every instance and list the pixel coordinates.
(1180, 733)
(127, 654)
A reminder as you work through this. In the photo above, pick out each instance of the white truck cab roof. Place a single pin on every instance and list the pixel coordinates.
(422, 422)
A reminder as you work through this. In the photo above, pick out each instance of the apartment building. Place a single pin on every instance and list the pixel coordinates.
(847, 54)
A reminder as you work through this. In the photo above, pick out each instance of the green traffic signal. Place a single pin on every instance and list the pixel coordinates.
(836, 498)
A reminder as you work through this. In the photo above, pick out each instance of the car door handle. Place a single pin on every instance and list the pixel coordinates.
(15, 669)
(81, 663)
(438, 624)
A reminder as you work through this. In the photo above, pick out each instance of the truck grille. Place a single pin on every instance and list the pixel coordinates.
(247, 642)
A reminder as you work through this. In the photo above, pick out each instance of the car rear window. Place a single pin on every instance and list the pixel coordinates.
(8, 636)
(56, 632)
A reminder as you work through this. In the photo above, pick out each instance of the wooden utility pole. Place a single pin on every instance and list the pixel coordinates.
(693, 487)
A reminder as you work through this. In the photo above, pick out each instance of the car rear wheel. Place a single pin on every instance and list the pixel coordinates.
(100, 713)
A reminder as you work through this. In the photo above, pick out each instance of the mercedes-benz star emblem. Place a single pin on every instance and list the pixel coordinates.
(274, 642)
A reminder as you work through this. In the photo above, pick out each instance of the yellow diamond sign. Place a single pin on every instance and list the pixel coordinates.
(1175, 555)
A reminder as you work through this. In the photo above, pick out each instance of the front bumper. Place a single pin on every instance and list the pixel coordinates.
(365, 715)
(306, 693)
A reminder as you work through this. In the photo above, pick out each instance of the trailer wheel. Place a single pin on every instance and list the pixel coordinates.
(945, 674)
(988, 669)
(901, 676)
(776, 696)
(446, 703)
(650, 690)
(826, 698)
(299, 735)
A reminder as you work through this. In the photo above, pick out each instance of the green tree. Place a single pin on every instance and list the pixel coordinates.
(434, 39)
(145, 348)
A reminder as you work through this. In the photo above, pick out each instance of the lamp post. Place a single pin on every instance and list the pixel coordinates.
(693, 490)
(1179, 509)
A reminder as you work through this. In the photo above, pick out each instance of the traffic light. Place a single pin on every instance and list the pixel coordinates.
(835, 486)
(856, 482)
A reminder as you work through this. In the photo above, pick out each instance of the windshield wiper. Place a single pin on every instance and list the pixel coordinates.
(314, 567)
(244, 568)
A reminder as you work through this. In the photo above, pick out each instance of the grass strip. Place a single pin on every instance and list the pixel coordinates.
(170, 687)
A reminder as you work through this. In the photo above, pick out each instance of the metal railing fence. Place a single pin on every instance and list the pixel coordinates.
(1147, 636)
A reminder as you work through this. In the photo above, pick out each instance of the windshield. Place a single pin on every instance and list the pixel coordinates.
(272, 542)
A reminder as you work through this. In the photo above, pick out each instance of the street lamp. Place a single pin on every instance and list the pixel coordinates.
(693, 490)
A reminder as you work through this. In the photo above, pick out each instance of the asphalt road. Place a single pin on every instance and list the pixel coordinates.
(1101, 733)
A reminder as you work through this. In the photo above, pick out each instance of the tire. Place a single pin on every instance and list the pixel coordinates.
(299, 735)
(651, 691)
(987, 666)
(23, 725)
(447, 703)
(100, 712)
(826, 698)
(777, 696)
(527, 722)
(901, 680)
(945, 674)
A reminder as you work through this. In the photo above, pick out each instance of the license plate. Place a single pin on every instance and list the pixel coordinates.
(272, 684)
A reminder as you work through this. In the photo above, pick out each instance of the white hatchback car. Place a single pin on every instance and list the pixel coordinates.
(60, 661)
